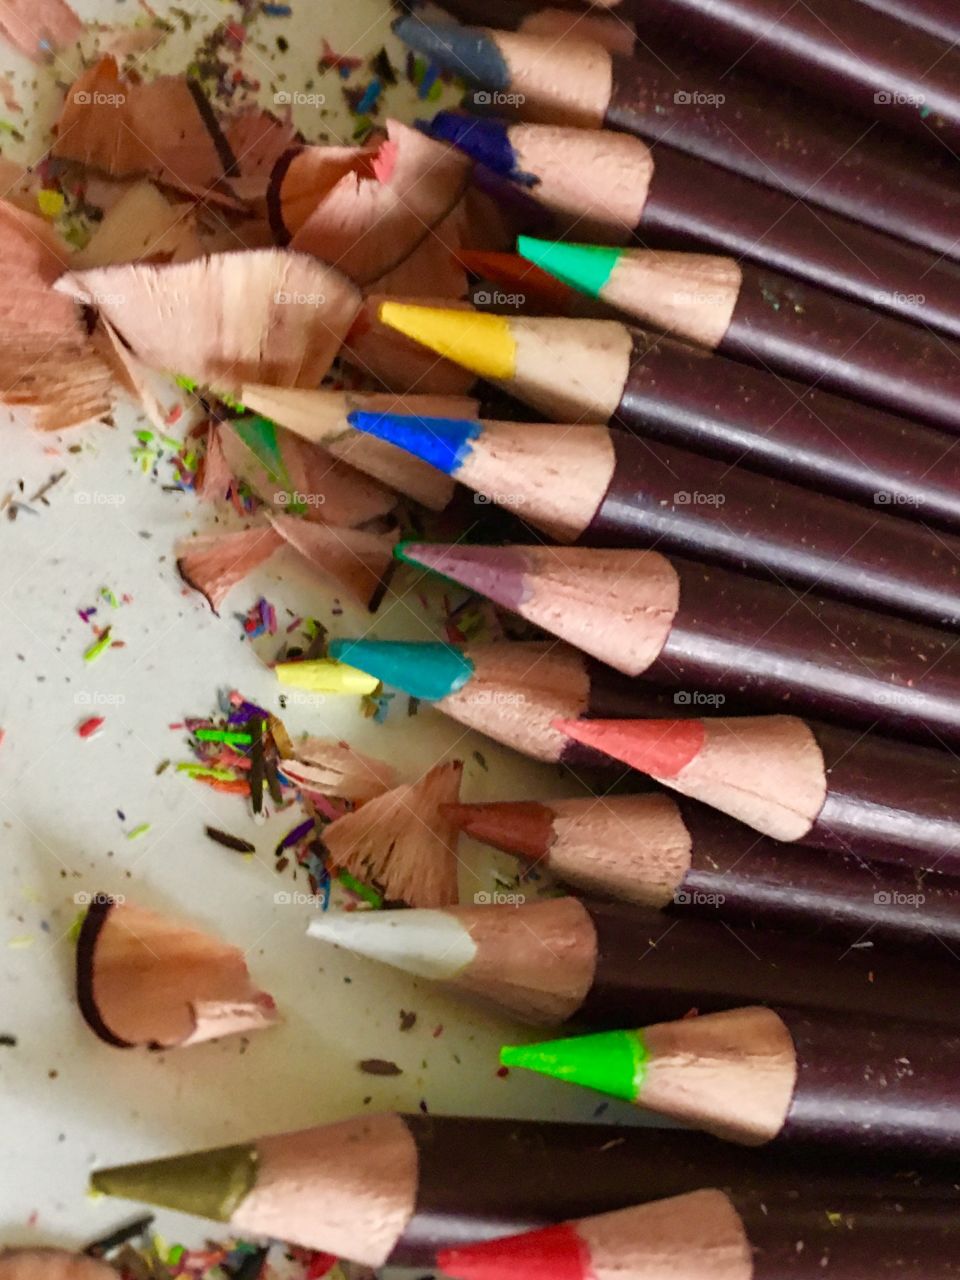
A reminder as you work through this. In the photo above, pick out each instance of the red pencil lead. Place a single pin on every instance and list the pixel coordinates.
(661, 748)
(555, 1253)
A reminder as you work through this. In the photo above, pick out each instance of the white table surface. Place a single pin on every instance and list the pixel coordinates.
(68, 1102)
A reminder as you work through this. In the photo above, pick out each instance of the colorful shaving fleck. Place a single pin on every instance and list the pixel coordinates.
(360, 889)
(94, 651)
(139, 832)
(89, 727)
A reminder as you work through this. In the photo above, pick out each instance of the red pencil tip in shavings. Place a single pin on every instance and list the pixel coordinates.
(183, 316)
(143, 979)
(402, 841)
(373, 214)
(214, 563)
(89, 727)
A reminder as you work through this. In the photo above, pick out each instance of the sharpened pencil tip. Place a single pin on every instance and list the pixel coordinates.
(444, 443)
(660, 748)
(429, 670)
(470, 52)
(478, 341)
(611, 1062)
(587, 267)
(208, 1184)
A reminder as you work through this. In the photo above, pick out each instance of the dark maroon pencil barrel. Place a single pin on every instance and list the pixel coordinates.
(651, 968)
(841, 51)
(739, 875)
(755, 642)
(663, 497)
(691, 206)
(766, 131)
(874, 1085)
(727, 410)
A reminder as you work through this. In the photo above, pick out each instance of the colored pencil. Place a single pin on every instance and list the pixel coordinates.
(795, 780)
(602, 371)
(834, 50)
(597, 487)
(764, 318)
(666, 92)
(674, 854)
(705, 630)
(939, 18)
(613, 964)
(615, 187)
(709, 1234)
(515, 465)
(320, 417)
(512, 691)
(394, 1188)
(757, 1075)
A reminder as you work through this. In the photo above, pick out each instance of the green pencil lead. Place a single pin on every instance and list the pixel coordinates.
(587, 267)
(612, 1062)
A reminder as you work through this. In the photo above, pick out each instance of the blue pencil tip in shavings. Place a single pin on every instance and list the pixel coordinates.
(276, 10)
(430, 75)
(369, 98)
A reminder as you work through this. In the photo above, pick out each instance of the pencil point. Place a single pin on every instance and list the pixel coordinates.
(426, 942)
(587, 267)
(208, 1184)
(496, 572)
(485, 139)
(521, 827)
(552, 1253)
(321, 675)
(661, 748)
(427, 669)
(471, 52)
(611, 1062)
(476, 340)
(442, 442)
